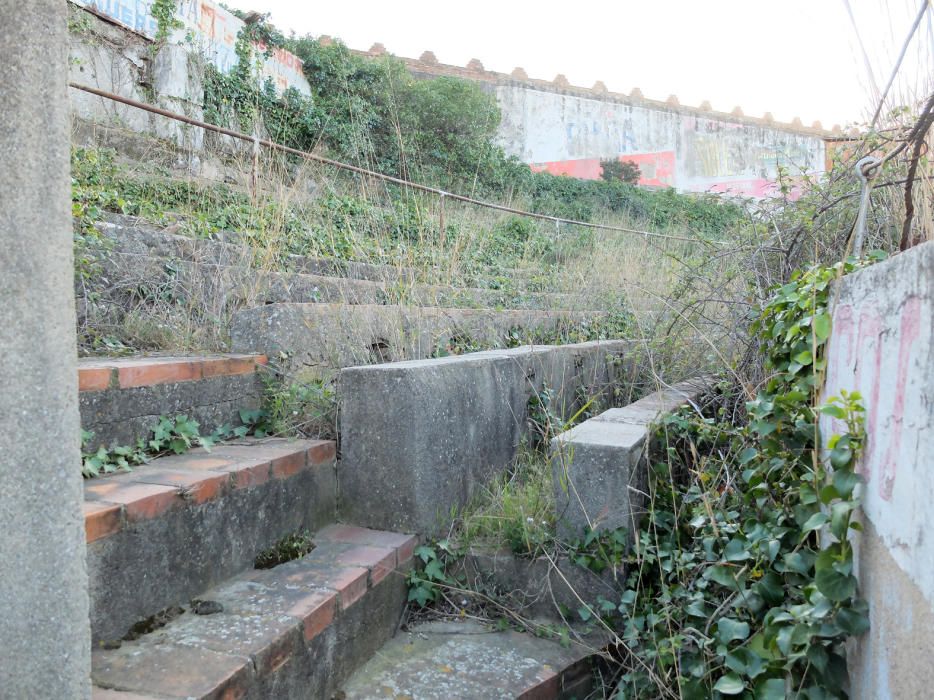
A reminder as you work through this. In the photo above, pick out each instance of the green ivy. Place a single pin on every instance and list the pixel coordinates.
(741, 578)
(165, 14)
(169, 436)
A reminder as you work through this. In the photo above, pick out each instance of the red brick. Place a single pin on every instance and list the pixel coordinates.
(379, 560)
(350, 583)
(197, 461)
(101, 520)
(316, 611)
(142, 501)
(349, 534)
(94, 378)
(322, 452)
(228, 366)
(197, 487)
(289, 465)
(158, 371)
(405, 553)
(250, 474)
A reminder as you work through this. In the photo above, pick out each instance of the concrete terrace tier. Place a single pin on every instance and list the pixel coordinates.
(296, 631)
(231, 274)
(121, 399)
(164, 532)
(442, 660)
(334, 336)
(420, 438)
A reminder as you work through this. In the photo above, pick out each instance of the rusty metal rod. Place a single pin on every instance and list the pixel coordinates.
(370, 173)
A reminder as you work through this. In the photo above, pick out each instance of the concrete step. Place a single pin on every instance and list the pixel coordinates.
(122, 398)
(161, 534)
(237, 274)
(296, 631)
(333, 336)
(442, 660)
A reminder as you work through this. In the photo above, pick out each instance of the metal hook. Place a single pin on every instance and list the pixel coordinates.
(865, 171)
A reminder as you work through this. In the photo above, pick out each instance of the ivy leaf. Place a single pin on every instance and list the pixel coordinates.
(434, 571)
(852, 621)
(844, 481)
(821, 325)
(836, 585)
(771, 689)
(425, 553)
(815, 522)
(736, 550)
(729, 630)
(730, 684)
(834, 411)
(804, 358)
(420, 594)
(841, 456)
(722, 575)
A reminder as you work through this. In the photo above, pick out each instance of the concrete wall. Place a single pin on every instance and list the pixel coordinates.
(882, 346)
(208, 29)
(568, 134)
(599, 469)
(44, 631)
(419, 438)
(567, 130)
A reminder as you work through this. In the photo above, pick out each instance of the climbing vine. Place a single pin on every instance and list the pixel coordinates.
(165, 14)
(741, 579)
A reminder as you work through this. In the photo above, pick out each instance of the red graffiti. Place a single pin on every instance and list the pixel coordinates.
(910, 331)
(856, 355)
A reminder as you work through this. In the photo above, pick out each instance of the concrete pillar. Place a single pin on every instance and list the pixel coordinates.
(44, 631)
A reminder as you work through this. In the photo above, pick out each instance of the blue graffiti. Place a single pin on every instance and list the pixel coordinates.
(132, 13)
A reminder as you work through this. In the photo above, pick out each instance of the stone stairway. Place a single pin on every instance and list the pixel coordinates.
(178, 609)
(237, 273)
(295, 631)
(188, 527)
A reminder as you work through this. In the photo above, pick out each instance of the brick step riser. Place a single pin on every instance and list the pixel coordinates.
(121, 400)
(160, 535)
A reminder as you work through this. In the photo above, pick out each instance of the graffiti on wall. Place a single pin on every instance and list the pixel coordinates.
(568, 134)
(881, 347)
(212, 29)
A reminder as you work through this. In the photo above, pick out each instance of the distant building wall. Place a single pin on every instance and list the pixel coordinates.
(210, 29)
(882, 345)
(566, 130)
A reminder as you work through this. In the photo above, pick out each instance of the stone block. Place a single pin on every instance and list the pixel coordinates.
(599, 470)
(420, 437)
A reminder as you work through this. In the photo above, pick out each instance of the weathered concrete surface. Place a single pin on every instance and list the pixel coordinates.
(157, 562)
(537, 588)
(599, 468)
(443, 660)
(119, 416)
(419, 437)
(43, 579)
(882, 345)
(229, 275)
(328, 336)
(295, 631)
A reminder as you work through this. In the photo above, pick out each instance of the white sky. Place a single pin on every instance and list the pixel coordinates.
(789, 57)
